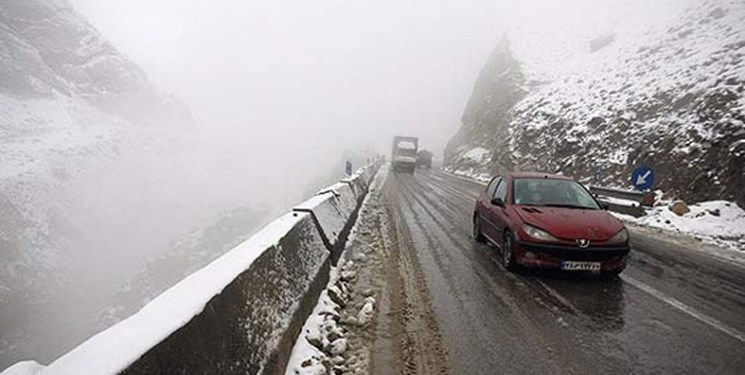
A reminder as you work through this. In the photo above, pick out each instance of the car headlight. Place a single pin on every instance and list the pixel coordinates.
(538, 233)
(621, 237)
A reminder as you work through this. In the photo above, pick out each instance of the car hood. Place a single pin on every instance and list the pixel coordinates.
(571, 223)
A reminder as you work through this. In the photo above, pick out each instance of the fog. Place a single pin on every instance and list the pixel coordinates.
(330, 75)
(282, 92)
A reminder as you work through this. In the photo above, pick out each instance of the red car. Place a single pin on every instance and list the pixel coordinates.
(549, 221)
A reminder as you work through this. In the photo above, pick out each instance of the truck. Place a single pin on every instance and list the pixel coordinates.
(404, 154)
(424, 159)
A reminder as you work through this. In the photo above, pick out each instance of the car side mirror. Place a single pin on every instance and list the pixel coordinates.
(497, 202)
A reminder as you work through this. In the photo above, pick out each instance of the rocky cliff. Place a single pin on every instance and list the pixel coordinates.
(49, 50)
(672, 98)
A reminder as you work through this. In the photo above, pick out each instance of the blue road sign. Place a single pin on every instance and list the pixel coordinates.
(348, 168)
(642, 178)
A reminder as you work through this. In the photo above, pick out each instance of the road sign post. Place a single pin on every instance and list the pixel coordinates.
(642, 178)
(348, 168)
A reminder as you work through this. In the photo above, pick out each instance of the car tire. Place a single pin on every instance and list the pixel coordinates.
(508, 252)
(477, 230)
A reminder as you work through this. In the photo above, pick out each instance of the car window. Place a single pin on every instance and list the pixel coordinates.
(552, 192)
(501, 191)
(493, 186)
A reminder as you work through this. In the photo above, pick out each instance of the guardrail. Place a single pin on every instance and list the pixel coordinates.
(241, 313)
(627, 202)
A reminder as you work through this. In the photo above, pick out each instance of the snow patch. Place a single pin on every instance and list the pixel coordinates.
(477, 154)
(718, 222)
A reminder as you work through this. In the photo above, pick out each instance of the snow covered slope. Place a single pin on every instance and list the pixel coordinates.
(47, 50)
(79, 125)
(671, 98)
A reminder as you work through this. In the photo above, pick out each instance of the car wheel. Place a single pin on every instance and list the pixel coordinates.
(508, 253)
(477, 230)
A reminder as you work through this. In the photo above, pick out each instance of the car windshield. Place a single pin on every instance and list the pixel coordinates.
(552, 192)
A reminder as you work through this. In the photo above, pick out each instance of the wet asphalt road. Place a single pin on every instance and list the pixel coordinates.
(674, 310)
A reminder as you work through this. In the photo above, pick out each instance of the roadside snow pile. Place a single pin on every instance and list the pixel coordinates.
(471, 163)
(322, 345)
(334, 338)
(477, 154)
(720, 222)
(470, 173)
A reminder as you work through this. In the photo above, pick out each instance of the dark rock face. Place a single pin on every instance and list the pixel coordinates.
(676, 103)
(487, 116)
(48, 49)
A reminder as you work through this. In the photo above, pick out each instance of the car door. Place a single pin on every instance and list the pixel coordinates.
(498, 213)
(489, 228)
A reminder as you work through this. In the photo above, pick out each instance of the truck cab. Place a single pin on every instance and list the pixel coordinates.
(404, 154)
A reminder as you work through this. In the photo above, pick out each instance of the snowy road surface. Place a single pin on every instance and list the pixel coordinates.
(674, 310)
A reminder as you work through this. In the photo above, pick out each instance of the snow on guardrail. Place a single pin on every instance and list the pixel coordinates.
(239, 314)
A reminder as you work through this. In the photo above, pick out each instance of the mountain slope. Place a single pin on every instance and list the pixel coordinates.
(671, 99)
(81, 127)
(47, 49)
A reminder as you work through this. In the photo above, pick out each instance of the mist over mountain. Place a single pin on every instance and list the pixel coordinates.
(670, 98)
(108, 192)
(49, 50)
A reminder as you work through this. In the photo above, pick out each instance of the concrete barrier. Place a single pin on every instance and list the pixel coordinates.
(330, 217)
(241, 313)
(335, 211)
(358, 184)
(238, 315)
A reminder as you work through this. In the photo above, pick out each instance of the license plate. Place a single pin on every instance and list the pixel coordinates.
(580, 266)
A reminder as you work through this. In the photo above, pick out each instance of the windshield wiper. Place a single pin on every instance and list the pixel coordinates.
(564, 205)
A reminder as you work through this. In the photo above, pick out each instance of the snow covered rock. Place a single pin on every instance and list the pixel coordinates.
(338, 347)
(679, 208)
(671, 97)
(366, 312)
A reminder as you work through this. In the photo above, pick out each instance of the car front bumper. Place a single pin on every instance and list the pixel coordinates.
(552, 255)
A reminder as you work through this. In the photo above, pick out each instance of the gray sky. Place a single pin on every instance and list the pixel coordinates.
(292, 70)
(312, 78)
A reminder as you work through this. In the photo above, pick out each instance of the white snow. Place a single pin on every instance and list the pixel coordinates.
(477, 154)
(303, 351)
(405, 159)
(727, 229)
(470, 174)
(618, 201)
(406, 145)
(367, 311)
(112, 350)
(23, 368)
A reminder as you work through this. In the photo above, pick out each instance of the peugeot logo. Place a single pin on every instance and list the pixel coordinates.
(583, 242)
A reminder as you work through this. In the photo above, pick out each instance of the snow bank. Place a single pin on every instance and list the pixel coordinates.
(720, 222)
(477, 154)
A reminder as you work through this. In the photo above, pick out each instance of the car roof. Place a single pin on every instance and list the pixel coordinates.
(537, 175)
